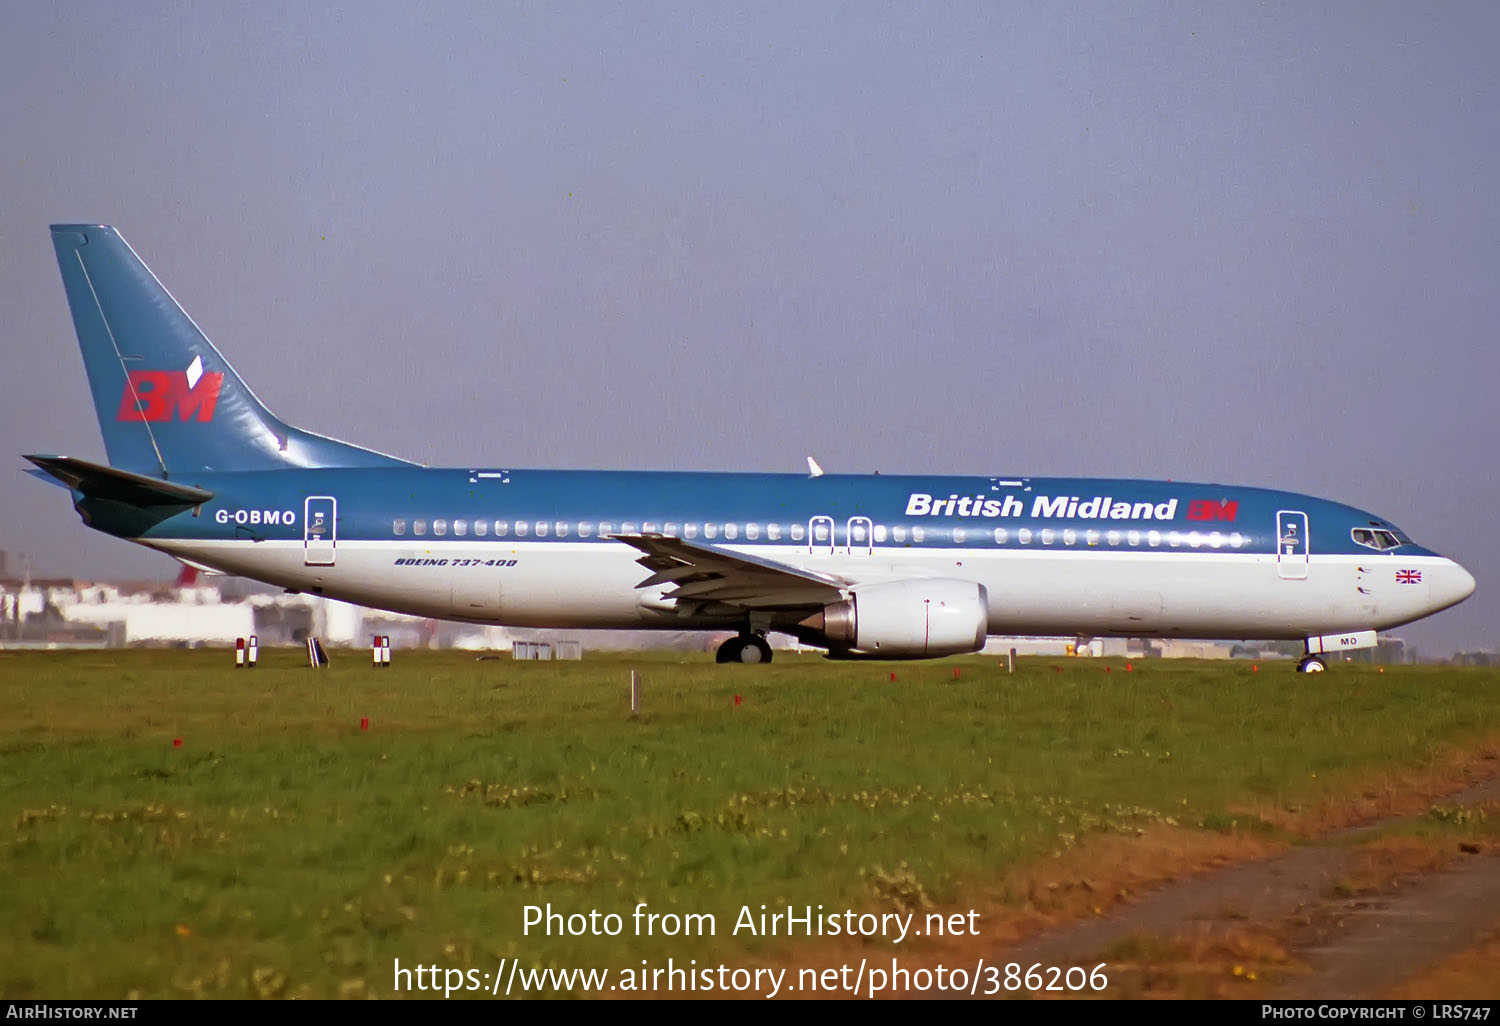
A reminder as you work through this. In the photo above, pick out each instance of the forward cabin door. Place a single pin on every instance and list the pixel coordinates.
(319, 517)
(1291, 545)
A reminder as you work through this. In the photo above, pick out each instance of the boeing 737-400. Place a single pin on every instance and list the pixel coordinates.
(877, 566)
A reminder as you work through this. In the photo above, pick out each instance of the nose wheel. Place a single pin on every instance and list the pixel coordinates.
(1311, 664)
(746, 648)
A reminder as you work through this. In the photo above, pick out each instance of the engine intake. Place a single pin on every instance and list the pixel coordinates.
(906, 619)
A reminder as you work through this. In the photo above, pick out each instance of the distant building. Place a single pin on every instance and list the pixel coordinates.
(1477, 657)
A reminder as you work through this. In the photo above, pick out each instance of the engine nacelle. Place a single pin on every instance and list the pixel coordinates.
(908, 619)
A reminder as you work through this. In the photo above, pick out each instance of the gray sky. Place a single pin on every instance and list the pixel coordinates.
(1253, 243)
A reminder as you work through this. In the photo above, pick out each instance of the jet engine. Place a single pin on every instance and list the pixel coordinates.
(906, 619)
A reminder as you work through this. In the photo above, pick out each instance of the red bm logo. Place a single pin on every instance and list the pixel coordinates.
(1213, 509)
(156, 395)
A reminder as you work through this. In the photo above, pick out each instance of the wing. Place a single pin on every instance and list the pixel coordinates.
(700, 574)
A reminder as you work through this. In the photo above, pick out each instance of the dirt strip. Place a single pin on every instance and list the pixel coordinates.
(1379, 942)
(1319, 944)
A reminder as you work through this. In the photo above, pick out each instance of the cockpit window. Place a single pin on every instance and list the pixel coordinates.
(1375, 538)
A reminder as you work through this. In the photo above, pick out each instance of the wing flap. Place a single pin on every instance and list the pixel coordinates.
(705, 573)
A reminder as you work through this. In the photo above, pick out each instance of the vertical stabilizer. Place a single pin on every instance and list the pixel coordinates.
(167, 402)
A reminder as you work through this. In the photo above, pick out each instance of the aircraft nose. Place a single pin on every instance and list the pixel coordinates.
(1451, 585)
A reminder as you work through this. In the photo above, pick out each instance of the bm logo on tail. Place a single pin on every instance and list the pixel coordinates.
(156, 395)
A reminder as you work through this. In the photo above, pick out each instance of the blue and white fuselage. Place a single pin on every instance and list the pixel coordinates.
(892, 566)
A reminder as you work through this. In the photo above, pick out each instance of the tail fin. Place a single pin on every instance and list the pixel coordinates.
(167, 402)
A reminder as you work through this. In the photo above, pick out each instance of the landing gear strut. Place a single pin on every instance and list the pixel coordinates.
(1311, 664)
(746, 648)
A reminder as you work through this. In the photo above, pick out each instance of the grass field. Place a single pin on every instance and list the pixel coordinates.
(280, 850)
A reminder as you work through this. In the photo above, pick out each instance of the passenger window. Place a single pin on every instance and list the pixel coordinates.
(1113, 538)
(798, 532)
(710, 530)
(1153, 538)
(1174, 539)
(606, 529)
(649, 527)
(1236, 540)
(1069, 536)
(627, 528)
(820, 533)
(560, 529)
(541, 528)
(731, 531)
(690, 530)
(481, 528)
(880, 532)
(898, 533)
(398, 526)
(1048, 535)
(1194, 539)
(501, 528)
(752, 531)
(520, 528)
(1001, 536)
(918, 535)
(773, 532)
(1024, 536)
(671, 530)
(460, 528)
(419, 527)
(440, 527)
(585, 529)
(1215, 539)
(959, 535)
(1133, 537)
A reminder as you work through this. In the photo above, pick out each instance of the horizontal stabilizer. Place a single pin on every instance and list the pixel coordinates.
(100, 482)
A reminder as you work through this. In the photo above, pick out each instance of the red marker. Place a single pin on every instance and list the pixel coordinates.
(736, 699)
(364, 723)
(955, 673)
(177, 742)
(893, 678)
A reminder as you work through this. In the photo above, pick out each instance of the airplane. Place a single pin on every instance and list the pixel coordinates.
(863, 566)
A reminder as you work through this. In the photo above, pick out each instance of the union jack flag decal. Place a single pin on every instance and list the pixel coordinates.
(1408, 577)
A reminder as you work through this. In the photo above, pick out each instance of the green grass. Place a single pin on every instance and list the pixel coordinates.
(282, 850)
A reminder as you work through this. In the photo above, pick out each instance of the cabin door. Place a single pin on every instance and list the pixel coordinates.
(319, 516)
(1291, 545)
(860, 536)
(820, 536)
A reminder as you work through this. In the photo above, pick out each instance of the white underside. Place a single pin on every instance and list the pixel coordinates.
(1043, 591)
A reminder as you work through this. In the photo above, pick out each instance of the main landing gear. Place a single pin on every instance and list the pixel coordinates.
(746, 648)
(1311, 664)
